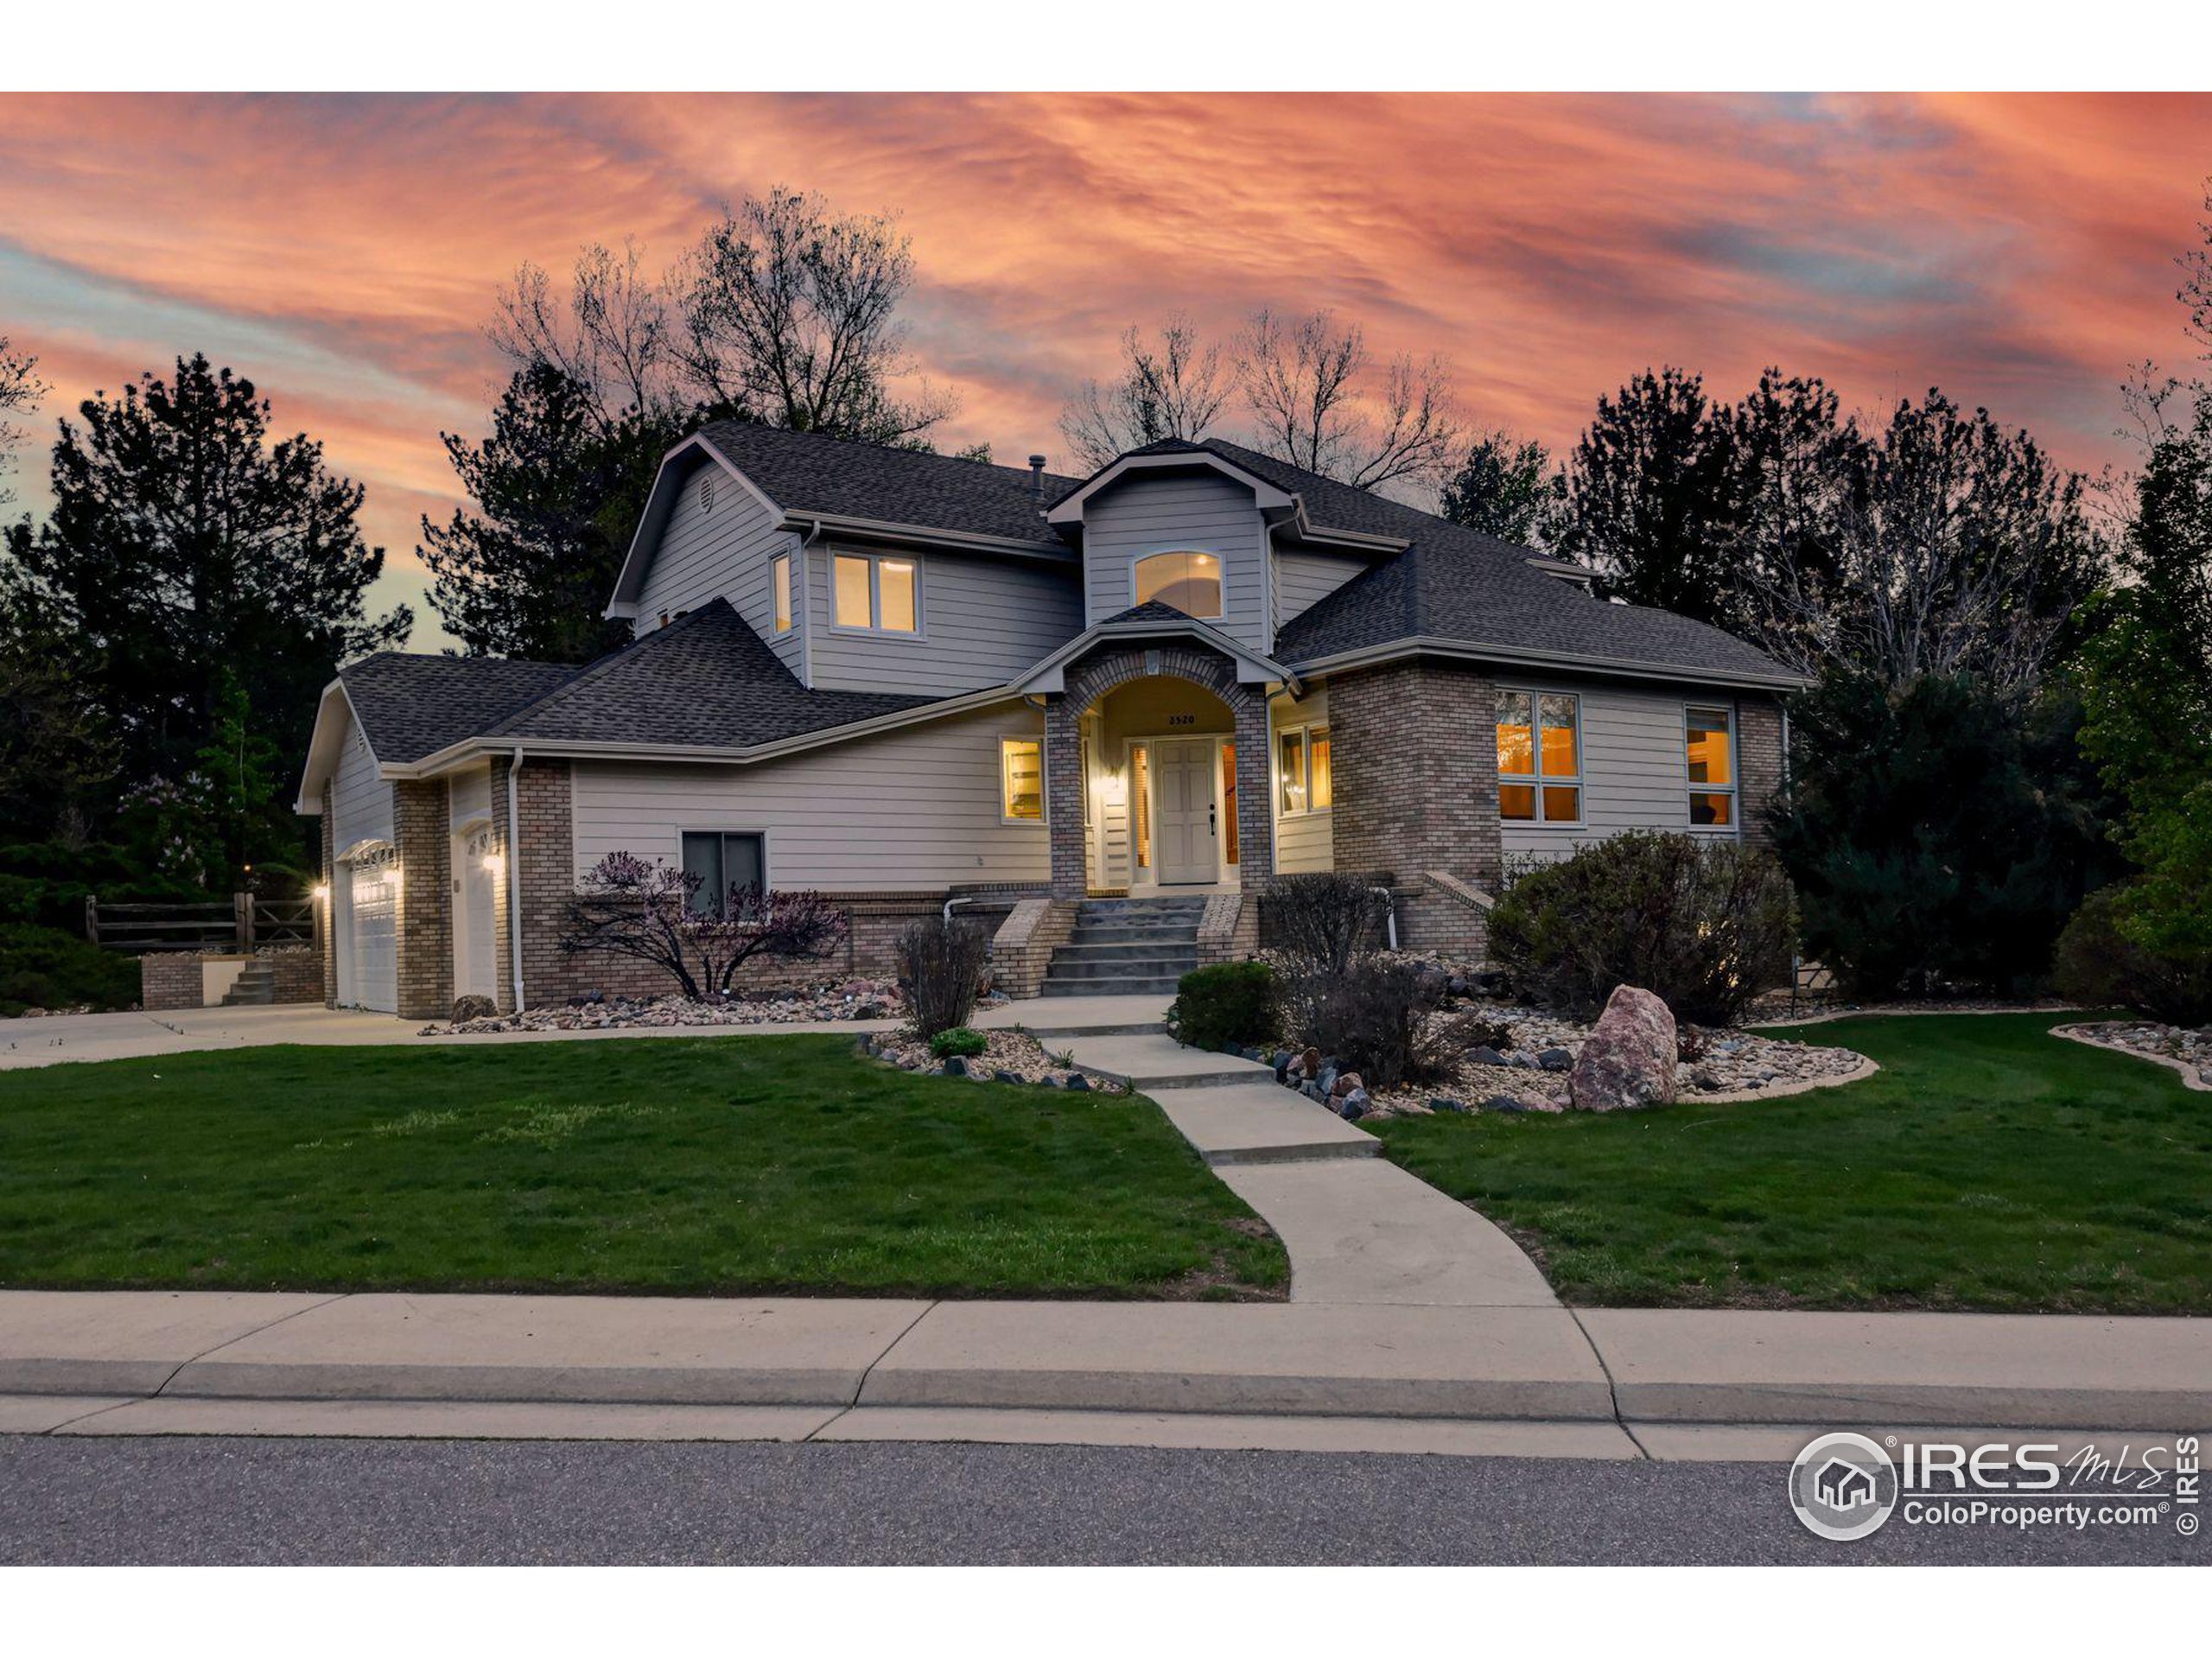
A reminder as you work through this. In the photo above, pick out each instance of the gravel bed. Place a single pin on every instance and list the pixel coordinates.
(848, 999)
(2188, 1050)
(1012, 1057)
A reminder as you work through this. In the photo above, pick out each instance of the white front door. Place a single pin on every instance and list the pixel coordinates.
(1182, 775)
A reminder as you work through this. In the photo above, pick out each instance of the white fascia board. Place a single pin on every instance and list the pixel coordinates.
(1068, 511)
(887, 529)
(1609, 667)
(484, 748)
(308, 803)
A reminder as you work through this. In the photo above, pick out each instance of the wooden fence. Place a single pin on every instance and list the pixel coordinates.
(244, 922)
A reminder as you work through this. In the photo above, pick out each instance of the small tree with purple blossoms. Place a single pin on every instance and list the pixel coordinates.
(628, 907)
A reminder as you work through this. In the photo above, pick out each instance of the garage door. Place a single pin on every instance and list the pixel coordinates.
(375, 932)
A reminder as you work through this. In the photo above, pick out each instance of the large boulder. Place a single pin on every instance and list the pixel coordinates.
(465, 1008)
(1627, 1060)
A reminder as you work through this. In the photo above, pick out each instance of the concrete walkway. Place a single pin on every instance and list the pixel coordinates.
(214, 1362)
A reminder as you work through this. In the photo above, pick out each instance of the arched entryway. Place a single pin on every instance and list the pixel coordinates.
(1157, 768)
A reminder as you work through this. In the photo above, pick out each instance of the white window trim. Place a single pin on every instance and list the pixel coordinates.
(1732, 830)
(1303, 731)
(1220, 559)
(875, 630)
(768, 867)
(780, 571)
(1538, 778)
(1044, 785)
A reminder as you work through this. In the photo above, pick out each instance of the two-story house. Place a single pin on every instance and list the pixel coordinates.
(904, 679)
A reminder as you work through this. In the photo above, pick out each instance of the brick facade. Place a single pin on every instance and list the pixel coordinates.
(1101, 671)
(1405, 809)
(1758, 765)
(421, 829)
(170, 979)
(1022, 948)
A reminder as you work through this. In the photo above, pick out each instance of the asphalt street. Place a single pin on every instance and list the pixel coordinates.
(332, 1502)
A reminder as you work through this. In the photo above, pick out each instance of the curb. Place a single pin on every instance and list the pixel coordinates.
(2189, 1073)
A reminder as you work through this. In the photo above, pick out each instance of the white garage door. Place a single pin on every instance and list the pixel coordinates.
(374, 930)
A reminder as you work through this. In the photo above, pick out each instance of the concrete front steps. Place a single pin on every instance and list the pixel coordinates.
(1125, 947)
(254, 987)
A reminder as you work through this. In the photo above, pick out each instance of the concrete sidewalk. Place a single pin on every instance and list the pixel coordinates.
(104, 1350)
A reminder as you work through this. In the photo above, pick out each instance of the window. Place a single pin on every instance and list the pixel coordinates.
(1140, 802)
(1021, 780)
(1229, 851)
(1539, 757)
(1711, 769)
(1189, 582)
(1308, 781)
(779, 577)
(879, 592)
(725, 862)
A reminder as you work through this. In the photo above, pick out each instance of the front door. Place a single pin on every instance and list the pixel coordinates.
(1182, 772)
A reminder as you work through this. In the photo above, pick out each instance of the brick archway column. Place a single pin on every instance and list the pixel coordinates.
(1064, 802)
(1255, 819)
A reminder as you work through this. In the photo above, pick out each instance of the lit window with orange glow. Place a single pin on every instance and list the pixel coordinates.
(1710, 754)
(1539, 757)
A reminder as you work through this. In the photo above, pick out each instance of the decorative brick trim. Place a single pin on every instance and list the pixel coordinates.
(1229, 931)
(1022, 948)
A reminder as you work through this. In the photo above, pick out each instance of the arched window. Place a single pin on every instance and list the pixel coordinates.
(1189, 582)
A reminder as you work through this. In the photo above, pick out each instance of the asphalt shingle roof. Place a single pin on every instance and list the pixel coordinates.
(805, 471)
(414, 706)
(706, 680)
(1457, 584)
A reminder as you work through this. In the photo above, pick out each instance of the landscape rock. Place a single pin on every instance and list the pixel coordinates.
(1627, 1060)
(1346, 1083)
(467, 1007)
(1483, 1054)
(1557, 1059)
(1353, 1106)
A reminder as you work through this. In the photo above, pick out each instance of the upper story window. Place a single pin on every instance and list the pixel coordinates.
(779, 582)
(879, 591)
(1539, 757)
(1710, 752)
(1189, 582)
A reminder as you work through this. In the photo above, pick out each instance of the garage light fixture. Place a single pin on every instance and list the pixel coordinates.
(495, 865)
(322, 893)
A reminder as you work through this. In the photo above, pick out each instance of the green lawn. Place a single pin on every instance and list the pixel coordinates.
(751, 1165)
(1988, 1165)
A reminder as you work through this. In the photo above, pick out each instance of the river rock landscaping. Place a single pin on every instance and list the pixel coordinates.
(2188, 1051)
(846, 999)
(1528, 1072)
(1009, 1056)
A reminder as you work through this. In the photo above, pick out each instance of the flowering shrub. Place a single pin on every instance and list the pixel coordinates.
(628, 907)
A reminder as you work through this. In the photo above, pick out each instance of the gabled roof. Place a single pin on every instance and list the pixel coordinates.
(1166, 452)
(806, 472)
(409, 706)
(706, 680)
(1151, 620)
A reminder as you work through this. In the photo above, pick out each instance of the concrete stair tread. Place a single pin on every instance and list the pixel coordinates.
(1235, 1123)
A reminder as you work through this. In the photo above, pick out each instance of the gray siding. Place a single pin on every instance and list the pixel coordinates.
(1304, 580)
(1635, 774)
(361, 802)
(1203, 513)
(916, 809)
(724, 553)
(983, 620)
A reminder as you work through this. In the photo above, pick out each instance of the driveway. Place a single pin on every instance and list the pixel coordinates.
(54, 1038)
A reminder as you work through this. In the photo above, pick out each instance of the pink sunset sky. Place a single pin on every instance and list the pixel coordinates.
(343, 251)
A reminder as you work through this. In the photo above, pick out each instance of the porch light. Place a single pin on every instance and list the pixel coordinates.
(322, 893)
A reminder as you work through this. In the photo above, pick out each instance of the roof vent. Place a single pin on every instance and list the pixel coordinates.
(706, 495)
(1037, 476)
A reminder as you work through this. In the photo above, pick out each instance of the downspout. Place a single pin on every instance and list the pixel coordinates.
(1389, 914)
(514, 872)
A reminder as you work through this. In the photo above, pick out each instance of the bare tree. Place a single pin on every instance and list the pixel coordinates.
(650, 913)
(790, 313)
(1174, 387)
(1960, 549)
(20, 391)
(611, 333)
(1316, 405)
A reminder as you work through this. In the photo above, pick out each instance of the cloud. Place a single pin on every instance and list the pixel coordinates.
(344, 251)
